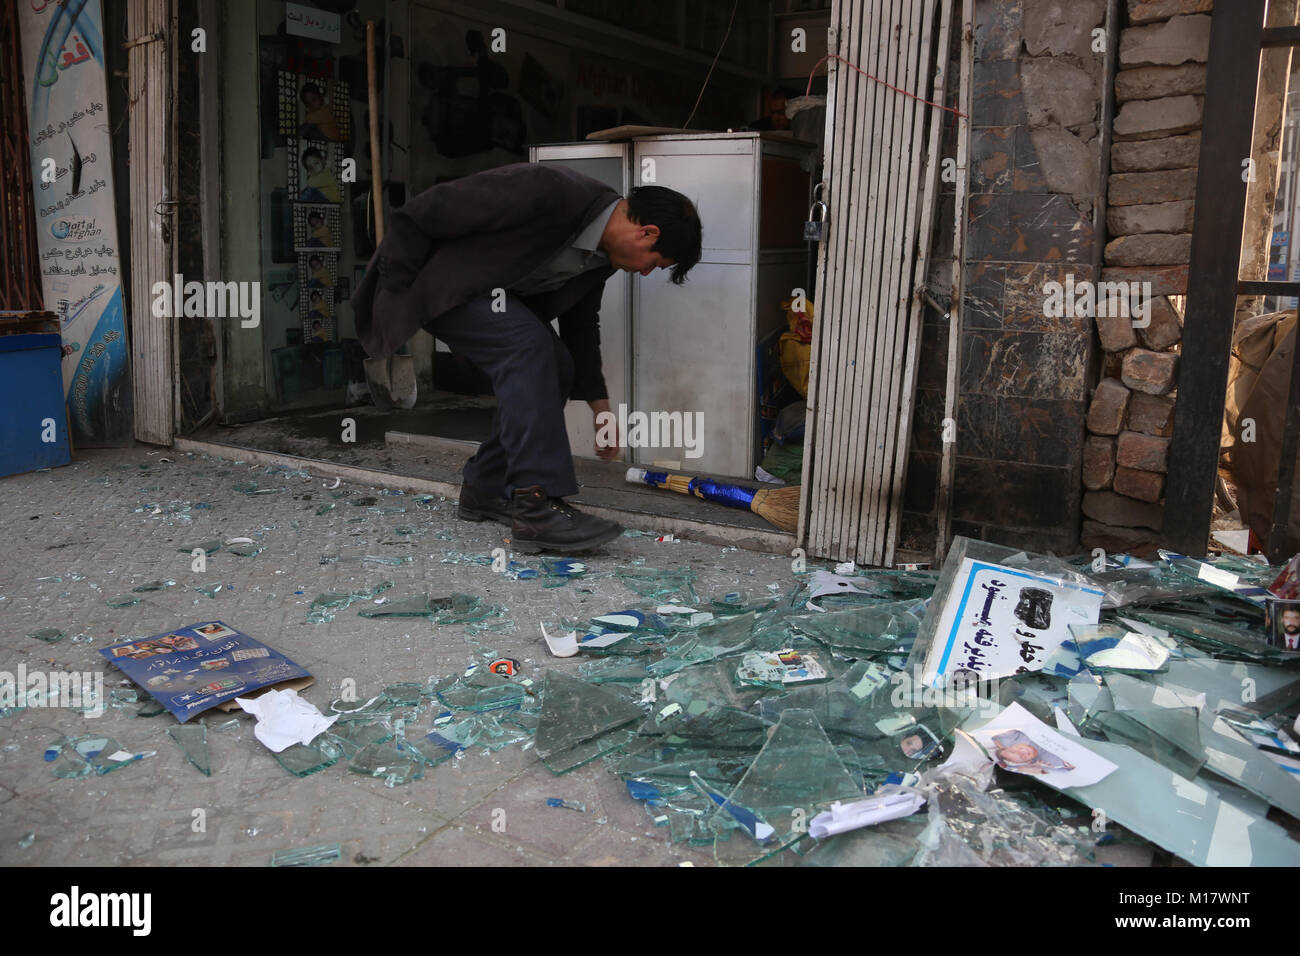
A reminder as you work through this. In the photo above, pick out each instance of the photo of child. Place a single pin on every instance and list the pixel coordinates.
(318, 234)
(317, 114)
(315, 178)
(317, 312)
(316, 227)
(317, 307)
(318, 273)
(1013, 750)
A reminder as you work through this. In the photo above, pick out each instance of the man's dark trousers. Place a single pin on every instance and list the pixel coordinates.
(532, 374)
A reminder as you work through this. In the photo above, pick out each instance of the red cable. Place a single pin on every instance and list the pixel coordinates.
(833, 56)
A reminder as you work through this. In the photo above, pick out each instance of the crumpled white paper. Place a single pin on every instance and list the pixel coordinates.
(843, 817)
(285, 719)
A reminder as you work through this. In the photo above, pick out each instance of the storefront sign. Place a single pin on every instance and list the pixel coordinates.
(72, 183)
(300, 21)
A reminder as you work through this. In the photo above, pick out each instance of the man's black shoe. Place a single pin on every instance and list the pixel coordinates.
(542, 523)
(478, 505)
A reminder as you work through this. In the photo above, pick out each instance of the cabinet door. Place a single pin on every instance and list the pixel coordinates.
(694, 344)
(606, 162)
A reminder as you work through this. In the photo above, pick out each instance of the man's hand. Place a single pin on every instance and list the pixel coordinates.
(606, 425)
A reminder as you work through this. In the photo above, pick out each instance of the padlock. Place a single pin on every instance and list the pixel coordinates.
(815, 229)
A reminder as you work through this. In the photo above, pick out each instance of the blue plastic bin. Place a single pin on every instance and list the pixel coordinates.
(31, 391)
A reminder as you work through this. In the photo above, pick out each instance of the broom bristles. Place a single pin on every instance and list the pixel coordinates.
(679, 483)
(778, 506)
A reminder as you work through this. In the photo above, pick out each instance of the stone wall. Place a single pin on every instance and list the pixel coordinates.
(1159, 96)
(1037, 188)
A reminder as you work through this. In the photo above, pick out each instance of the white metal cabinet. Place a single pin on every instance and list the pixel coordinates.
(695, 345)
(693, 348)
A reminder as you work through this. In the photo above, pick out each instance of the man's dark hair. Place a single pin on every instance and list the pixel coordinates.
(678, 222)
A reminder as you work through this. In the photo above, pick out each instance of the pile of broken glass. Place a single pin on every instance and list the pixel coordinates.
(1013, 709)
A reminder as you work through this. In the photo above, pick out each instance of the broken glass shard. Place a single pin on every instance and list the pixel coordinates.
(795, 775)
(752, 823)
(1111, 647)
(307, 856)
(420, 606)
(302, 760)
(1226, 753)
(123, 600)
(1185, 817)
(1151, 732)
(875, 629)
(245, 550)
(68, 763)
(150, 708)
(719, 639)
(1246, 580)
(154, 586)
(1219, 639)
(562, 804)
(656, 585)
(49, 635)
(207, 547)
(562, 569)
(251, 488)
(100, 754)
(371, 709)
(623, 670)
(352, 735)
(209, 590)
(995, 828)
(193, 741)
(574, 714)
(394, 762)
(400, 694)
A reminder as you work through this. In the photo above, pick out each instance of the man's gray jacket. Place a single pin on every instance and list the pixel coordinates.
(463, 239)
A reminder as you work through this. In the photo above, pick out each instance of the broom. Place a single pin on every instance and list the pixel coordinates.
(778, 506)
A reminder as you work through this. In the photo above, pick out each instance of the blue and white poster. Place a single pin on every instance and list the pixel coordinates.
(72, 181)
(193, 669)
(999, 621)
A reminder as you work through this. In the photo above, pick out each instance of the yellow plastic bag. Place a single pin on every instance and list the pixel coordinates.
(796, 345)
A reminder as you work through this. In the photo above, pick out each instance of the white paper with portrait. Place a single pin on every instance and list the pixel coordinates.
(1016, 740)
